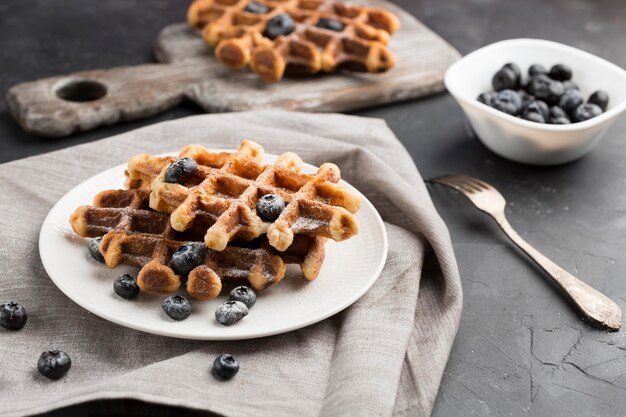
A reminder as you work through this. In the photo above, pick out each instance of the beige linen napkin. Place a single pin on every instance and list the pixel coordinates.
(383, 356)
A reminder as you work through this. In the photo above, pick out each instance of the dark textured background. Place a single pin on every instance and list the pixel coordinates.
(520, 349)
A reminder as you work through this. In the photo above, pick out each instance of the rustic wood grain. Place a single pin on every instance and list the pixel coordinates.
(188, 70)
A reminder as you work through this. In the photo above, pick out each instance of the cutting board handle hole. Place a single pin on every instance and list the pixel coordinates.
(81, 90)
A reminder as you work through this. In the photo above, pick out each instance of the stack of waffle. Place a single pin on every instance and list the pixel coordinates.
(278, 37)
(144, 224)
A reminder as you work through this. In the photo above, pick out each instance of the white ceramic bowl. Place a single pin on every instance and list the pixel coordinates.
(521, 140)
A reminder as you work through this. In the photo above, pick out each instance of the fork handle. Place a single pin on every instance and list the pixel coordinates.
(594, 305)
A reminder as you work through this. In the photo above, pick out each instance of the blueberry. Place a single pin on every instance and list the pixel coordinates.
(230, 312)
(269, 207)
(586, 111)
(556, 111)
(504, 79)
(600, 98)
(279, 25)
(181, 170)
(256, 8)
(225, 366)
(486, 98)
(537, 69)
(559, 121)
(545, 89)
(12, 316)
(526, 98)
(176, 307)
(54, 364)
(570, 100)
(187, 257)
(570, 85)
(243, 294)
(560, 72)
(518, 74)
(534, 117)
(126, 286)
(537, 106)
(94, 249)
(330, 24)
(508, 101)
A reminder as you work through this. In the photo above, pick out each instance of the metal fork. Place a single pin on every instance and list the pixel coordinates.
(595, 306)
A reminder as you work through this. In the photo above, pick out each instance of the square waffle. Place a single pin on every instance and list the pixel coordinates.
(296, 37)
(224, 191)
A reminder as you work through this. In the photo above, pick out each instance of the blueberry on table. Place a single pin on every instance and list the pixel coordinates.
(330, 24)
(559, 121)
(518, 73)
(243, 294)
(504, 79)
(256, 8)
(230, 312)
(560, 72)
(537, 69)
(177, 307)
(570, 100)
(54, 364)
(600, 98)
(225, 366)
(12, 316)
(181, 170)
(126, 286)
(187, 257)
(269, 207)
(279, 25)
(94, 249)
(556, 111)
(586, 111)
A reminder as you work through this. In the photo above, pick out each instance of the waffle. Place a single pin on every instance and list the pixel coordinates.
(240, 37)
(135, 235)
(224, 191)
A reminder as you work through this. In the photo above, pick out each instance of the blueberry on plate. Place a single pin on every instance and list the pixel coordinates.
(244, 294)
(177, 307)
(537, 69)
(508, 101)
(560, 72)
(269, 207)
(126, 286)
(181, 170)
(230, 312)
(256, 8)
(330, 24)
(54, 364)
(559, 121)
(586, 111)
(518, 73)
(187, 257)
(600, 98)
(225, 366)
(556, 111)
(12, 316)
(486, 98)
(279, 25)
(504, 79)
(570, 100)
(537, 106)
(94, 249)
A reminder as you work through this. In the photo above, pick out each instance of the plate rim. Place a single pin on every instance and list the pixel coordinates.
(147, 329)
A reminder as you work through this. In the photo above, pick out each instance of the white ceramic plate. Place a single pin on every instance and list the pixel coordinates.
(350, 269)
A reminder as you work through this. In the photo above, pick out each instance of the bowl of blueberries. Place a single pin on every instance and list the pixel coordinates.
(535, 101)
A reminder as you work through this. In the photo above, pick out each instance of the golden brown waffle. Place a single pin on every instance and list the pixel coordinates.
(137, 236)
(226, 187)
(240, 38)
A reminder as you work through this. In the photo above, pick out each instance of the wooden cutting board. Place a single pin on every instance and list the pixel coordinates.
(67, 104)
